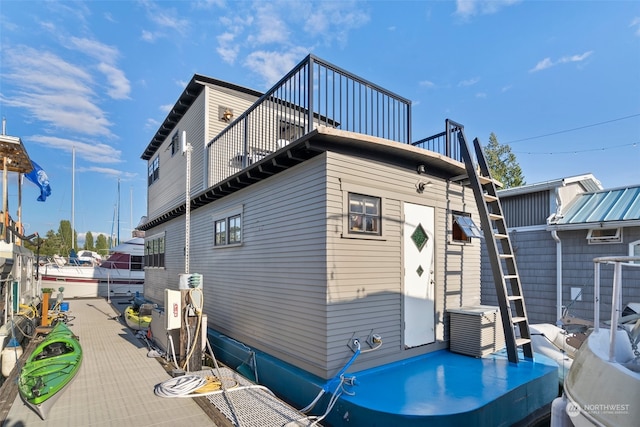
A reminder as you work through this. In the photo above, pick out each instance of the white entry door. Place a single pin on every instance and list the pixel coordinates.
(419, 305)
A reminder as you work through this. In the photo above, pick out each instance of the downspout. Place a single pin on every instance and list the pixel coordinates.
(554, 234)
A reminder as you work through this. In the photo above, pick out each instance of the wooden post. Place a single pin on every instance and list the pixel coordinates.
(193, 354)
(45, 308)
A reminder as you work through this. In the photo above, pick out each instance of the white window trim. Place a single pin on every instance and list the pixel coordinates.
(226, 214)
(600, 240)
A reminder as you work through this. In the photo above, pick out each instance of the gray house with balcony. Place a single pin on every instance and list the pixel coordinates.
(312, 225)
(557, 228)
(328, 239)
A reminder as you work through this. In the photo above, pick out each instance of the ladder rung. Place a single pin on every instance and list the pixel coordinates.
(522, 341)
(514, 297)
(489, 197)
(518, 319)
(484, 179)
(495, 217)
(506, 256)
(510, 276)
(501, 236)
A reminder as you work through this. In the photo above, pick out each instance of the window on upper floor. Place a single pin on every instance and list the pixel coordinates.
(175, 143)
(154, 170)
(463, 228)
(227, 227)
(154, 251)
(365, 215)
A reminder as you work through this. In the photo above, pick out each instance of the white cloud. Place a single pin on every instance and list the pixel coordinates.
(259, 30)
(95, 152)
(427, 83)
(542, 65)
(120, 87)
(272, 65)
(468, 8)
(548, 63)
(126, 176)
(57, 92)
(469, 82)
(636, 23)
(166, 22)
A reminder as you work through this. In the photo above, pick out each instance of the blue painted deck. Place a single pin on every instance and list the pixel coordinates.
(438, 389)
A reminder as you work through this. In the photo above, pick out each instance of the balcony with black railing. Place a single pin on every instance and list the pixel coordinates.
(316, 93)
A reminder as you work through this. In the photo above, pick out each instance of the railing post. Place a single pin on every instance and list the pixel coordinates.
(615, 308)
(245, 144)
(596, 297)
(310, 95)
(447, 138)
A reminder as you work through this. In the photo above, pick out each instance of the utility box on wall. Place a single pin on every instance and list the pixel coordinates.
(476, 330)
(173, 309)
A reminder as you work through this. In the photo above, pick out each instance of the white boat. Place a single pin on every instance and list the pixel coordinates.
(602, 387)
(120, 274)
(554, 343)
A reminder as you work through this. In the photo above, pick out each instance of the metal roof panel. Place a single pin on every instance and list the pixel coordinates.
(620, 204)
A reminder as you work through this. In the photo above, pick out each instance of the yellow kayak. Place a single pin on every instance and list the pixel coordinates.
(135, 320)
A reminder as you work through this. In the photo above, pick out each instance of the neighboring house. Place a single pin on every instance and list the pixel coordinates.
(557, 228)
(311, 229)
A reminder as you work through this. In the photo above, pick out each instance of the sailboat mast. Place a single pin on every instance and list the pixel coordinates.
(73, 196)
(118, 210)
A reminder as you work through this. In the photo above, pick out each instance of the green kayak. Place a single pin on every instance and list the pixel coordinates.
(50, 369)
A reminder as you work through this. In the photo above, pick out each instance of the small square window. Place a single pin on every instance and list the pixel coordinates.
(604, 235)
(364, 214)
(228, 228)
(463, 228)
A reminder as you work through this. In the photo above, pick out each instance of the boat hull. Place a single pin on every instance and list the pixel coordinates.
(437, 389)
(600, 392)
(50, 369)
(78, 286)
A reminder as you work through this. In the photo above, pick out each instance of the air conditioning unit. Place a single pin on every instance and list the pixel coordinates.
(475, 330)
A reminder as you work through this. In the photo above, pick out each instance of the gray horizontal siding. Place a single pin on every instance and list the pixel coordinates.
(536, 258)
(297, 288)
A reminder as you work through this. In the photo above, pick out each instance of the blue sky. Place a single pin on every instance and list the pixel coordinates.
(557, 80)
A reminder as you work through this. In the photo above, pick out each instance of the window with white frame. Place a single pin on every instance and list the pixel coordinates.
(227, 228)
(604, 235)
(365, 215)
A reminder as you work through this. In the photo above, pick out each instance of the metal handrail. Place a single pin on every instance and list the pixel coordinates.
(314, 93)
(616, 300)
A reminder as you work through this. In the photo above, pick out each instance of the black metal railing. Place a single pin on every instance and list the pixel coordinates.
(315, 93)
(445, 142)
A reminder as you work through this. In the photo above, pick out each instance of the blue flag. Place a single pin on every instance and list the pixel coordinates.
(40, 178)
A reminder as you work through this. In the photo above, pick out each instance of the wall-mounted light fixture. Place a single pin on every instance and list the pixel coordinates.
(421, 169)
(421, 185)
(226, 114)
